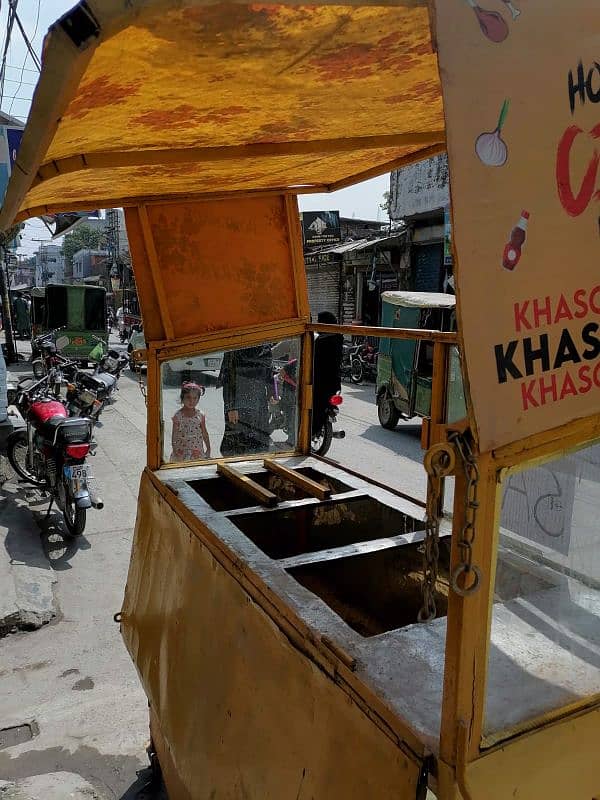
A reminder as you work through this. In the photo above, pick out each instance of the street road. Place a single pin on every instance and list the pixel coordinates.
(74, 676)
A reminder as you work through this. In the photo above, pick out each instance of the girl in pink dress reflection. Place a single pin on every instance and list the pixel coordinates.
(190, 440)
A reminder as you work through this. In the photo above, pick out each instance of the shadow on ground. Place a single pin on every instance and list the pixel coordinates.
(111, 775)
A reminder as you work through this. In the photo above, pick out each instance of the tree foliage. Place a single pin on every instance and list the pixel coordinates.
(82, 237)
(385, 206)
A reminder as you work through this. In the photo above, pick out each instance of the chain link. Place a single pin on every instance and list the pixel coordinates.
(465, 578)
(439, 462)
(142, 385)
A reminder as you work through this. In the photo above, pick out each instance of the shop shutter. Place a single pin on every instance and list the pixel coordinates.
(428, 267)
(324, 290)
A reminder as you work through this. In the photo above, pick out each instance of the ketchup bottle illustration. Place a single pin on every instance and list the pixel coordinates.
(512, 251)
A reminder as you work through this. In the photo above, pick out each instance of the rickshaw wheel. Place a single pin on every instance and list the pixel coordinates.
(387, 412)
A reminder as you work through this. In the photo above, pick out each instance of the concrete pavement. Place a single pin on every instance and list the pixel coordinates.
(71, 686)
(26, 578)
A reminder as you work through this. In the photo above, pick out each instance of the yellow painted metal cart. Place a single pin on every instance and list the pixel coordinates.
(300, 630)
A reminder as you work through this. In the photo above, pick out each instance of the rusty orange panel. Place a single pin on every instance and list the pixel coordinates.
(223, 263)
(153, 328)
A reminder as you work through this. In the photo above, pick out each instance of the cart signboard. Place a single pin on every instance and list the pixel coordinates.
(523, 132)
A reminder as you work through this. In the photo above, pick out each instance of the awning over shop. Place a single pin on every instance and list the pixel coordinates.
(362, 244)
(193, 99)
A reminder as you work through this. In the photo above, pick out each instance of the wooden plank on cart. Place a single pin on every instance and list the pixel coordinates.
(310, 487)
(246, 484)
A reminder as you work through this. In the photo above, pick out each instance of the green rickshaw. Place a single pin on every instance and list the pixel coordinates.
(78, 310)
(405, 366)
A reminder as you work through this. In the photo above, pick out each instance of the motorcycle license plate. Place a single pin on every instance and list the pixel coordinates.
(87, 398)
(78, 475)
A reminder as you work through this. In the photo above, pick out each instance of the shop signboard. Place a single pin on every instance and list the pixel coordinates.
(523, 136)
(320, 228)
(320, 259)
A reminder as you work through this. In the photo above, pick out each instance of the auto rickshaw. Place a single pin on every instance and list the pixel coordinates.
(405, 368)
(300, 629)
(78, 311)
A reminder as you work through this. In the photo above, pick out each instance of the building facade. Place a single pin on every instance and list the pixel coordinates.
(420, 196)
(91, 266)
(49, 265)
(347, 278)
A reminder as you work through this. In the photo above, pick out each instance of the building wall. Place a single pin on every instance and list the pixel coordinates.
(419, 188)
(88, 262)
(49, 265)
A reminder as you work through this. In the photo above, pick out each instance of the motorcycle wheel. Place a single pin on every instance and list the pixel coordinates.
(356, 371)
(387, 412)
(39, 368)
(74, 517)
(94, 413)
(321, 442)
(16, 451)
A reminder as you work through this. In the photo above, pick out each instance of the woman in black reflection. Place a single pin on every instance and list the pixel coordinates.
(327, 361)
(247, 379)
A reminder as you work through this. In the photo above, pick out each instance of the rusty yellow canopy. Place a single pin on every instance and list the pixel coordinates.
(191, 98)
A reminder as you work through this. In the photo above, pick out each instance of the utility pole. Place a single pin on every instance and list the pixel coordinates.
(11, 347)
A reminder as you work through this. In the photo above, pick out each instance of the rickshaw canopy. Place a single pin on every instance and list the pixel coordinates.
(139, 100)
(419, 299)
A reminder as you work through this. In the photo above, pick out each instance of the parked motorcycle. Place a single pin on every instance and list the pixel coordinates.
(108, 360)
(349, 353)
(51, 454)
(44, 352)
(364, 363)
(321, 441)
(86, 395)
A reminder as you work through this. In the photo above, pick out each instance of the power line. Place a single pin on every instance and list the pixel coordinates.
(32, 53)
(37, 19)
(9, 27)
(26, 69)
(14, 80)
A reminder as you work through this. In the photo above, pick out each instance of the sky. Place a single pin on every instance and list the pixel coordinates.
(361, 200)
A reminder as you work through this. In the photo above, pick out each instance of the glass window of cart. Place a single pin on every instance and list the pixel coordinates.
(545, 633)
(231, 403)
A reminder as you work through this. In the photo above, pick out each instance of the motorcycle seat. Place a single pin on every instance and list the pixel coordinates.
(67, 429)
(106, 379)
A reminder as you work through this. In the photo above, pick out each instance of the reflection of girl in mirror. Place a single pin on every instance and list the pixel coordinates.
(190, 438)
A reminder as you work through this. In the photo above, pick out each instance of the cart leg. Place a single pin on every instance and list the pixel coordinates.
(156, 772)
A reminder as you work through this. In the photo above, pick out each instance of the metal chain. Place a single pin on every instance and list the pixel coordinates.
(439, 462)
(142, 386)
(466, 572)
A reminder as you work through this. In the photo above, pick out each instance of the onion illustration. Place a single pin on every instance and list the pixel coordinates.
(490, 147)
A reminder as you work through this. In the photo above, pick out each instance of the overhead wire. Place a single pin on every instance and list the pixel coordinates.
(37, 19)
(9, 26)
(32, 53)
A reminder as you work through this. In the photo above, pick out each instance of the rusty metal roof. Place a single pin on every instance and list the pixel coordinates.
(188, 98)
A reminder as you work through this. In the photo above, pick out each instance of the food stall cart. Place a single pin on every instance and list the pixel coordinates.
(301, 630)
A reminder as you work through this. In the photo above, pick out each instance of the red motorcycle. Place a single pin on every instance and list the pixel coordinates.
(51, 453)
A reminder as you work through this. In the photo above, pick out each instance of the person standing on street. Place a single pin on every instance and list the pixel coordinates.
(327, 360)
(247, 380)
(22, 317)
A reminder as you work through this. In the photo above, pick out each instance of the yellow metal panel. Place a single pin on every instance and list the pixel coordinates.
(556, 763)
(241, 711)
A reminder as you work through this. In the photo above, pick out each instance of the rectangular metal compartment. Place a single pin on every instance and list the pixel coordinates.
(376, 592)
(221, 495)
(283, 533)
